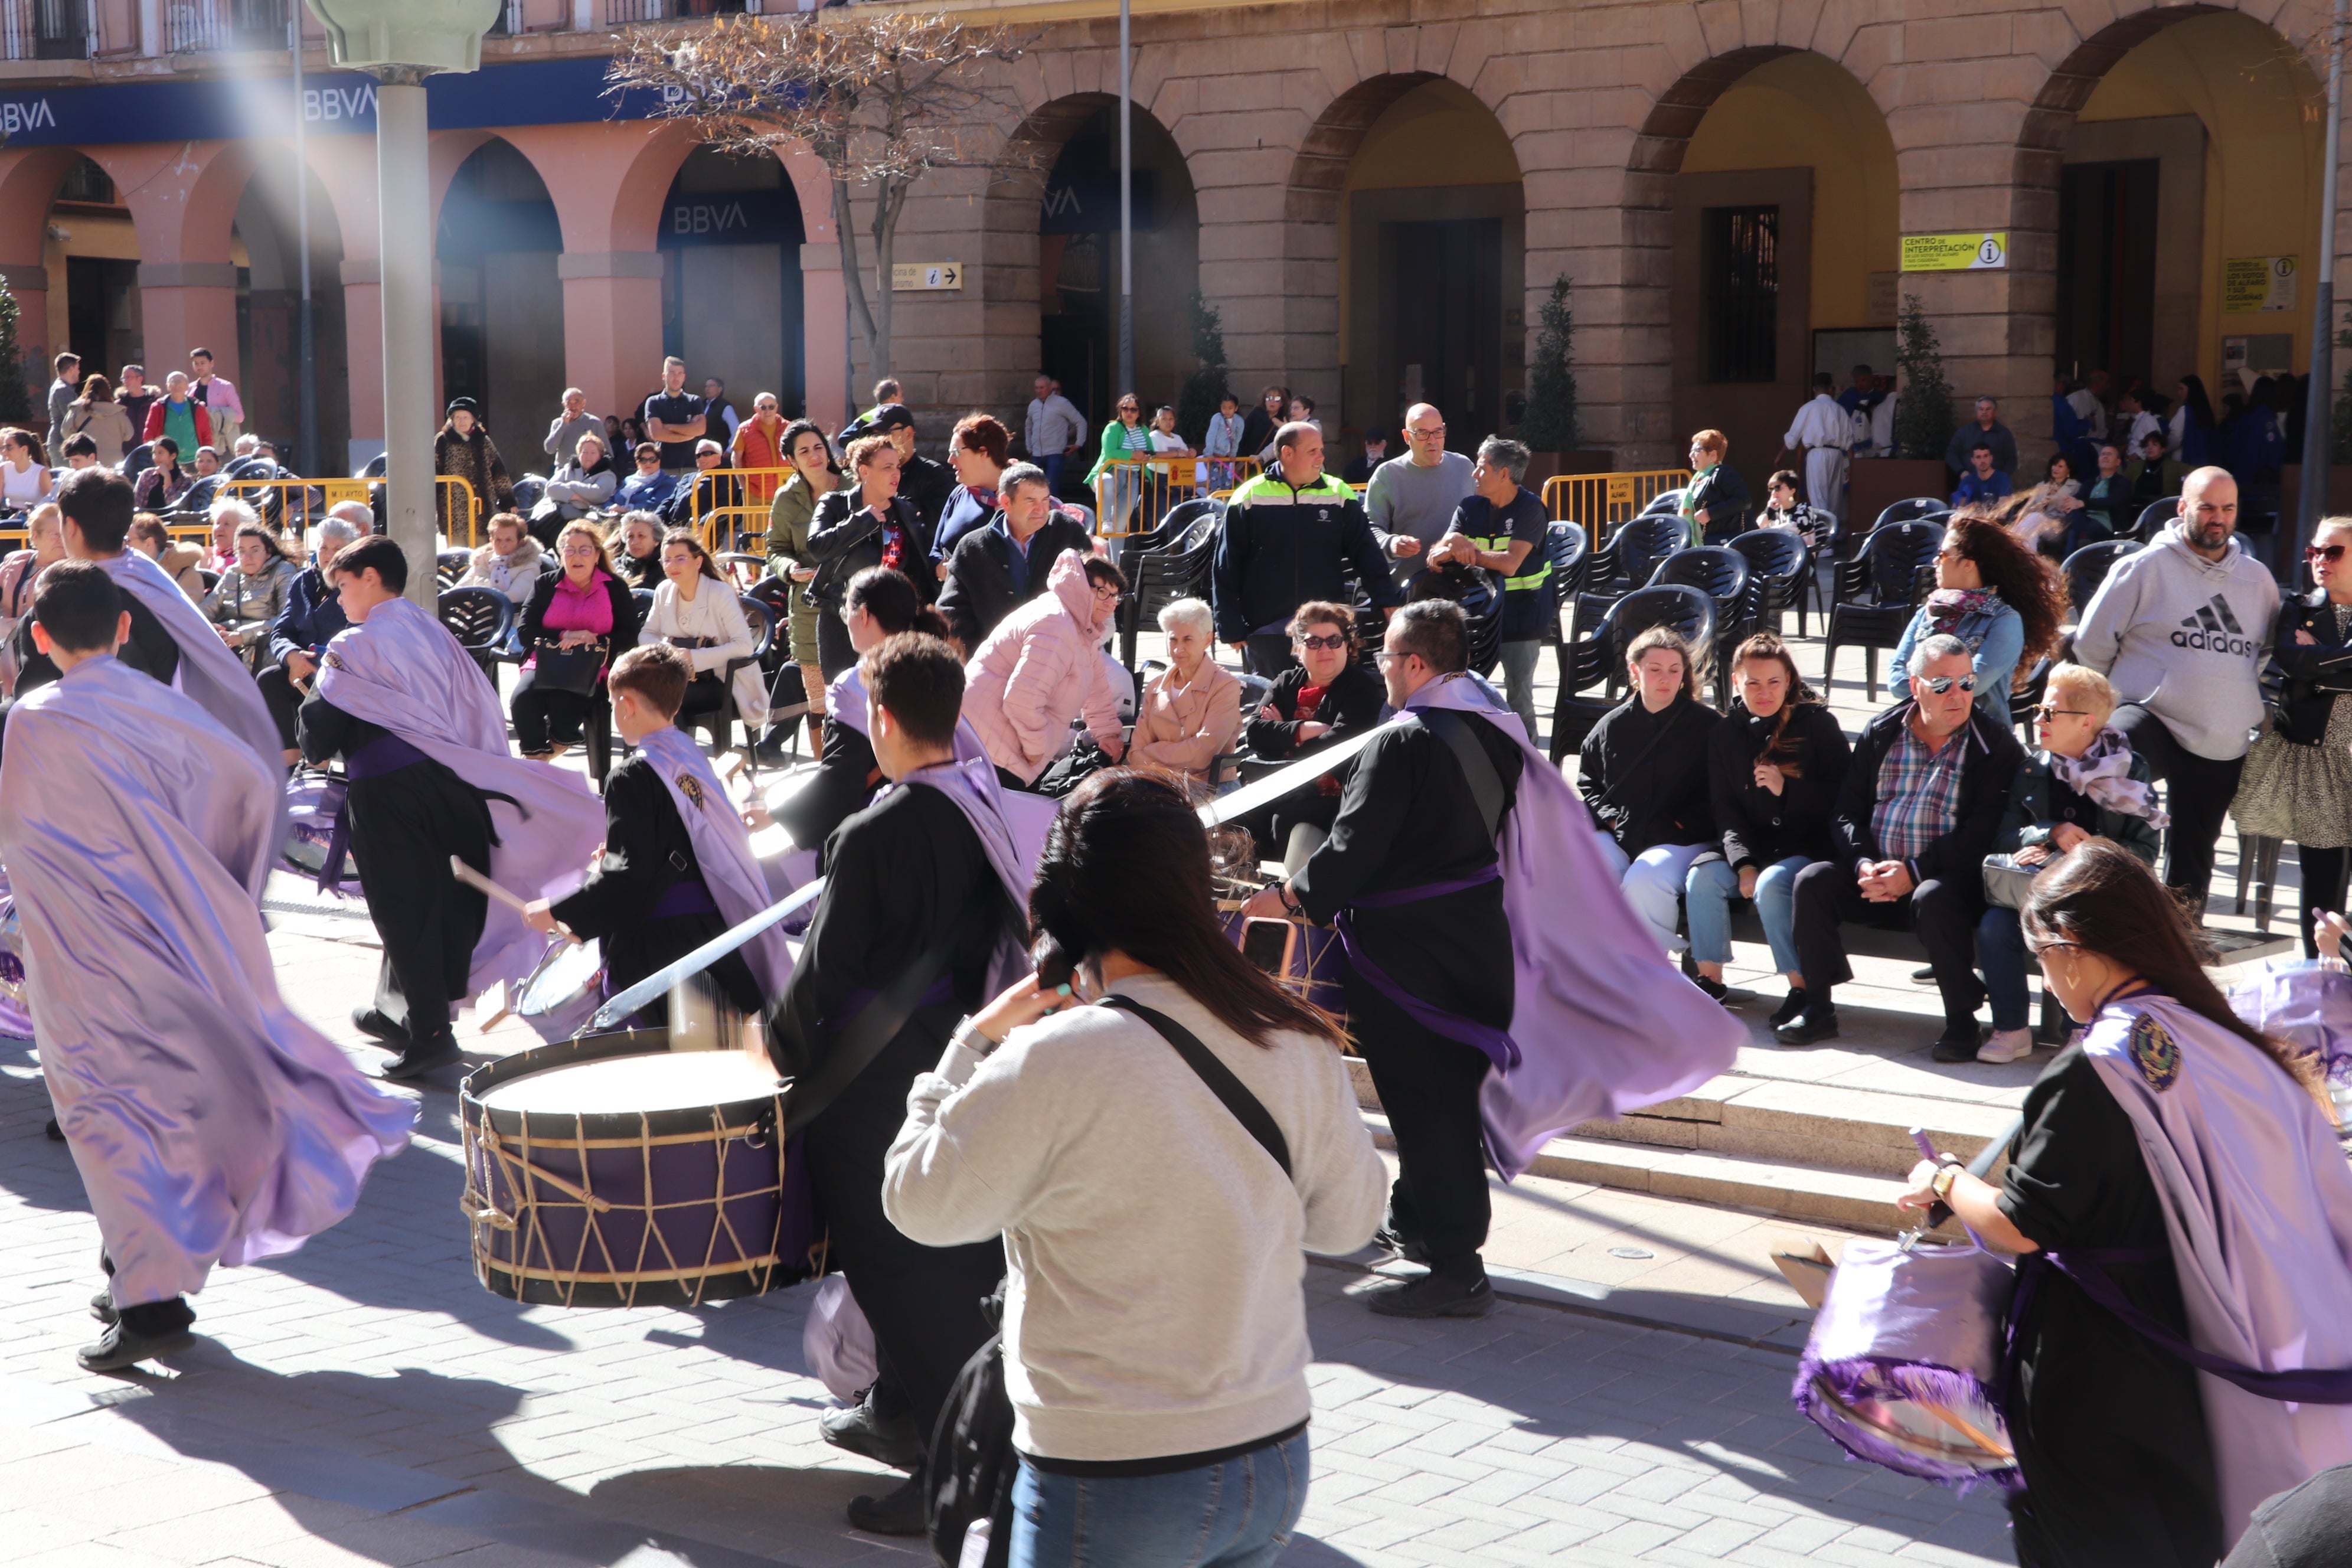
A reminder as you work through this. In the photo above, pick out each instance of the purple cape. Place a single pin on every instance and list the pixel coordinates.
(402, 669)
(971, 782)
(722, 847)
(1027, 816)
(209, 1123)
(1602, 1022)
(2258, 1205)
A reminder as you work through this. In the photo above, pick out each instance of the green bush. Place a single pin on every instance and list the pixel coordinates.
(15, 397)
(1550, 423)
(1205, 387)
(1923, 412)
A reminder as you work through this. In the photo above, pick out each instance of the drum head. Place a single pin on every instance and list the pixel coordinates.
(1893, 1418)
(570, 971)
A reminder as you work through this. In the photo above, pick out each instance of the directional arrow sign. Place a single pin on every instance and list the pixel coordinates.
(908, 276)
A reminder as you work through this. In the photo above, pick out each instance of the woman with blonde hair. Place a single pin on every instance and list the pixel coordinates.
(46, 542)
(582, 610)
(696, 612)
(1642, 772)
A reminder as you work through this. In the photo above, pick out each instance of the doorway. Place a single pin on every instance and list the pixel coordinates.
(102, 311)
(2107, 287)
(1444, 302)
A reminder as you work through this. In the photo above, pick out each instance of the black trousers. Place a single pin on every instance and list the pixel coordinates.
(405, 826)
(1429, 1089)
(705, 694)
(1269, 654)
(543, 715)
(2197, 791)
(1942, 915)
(834, 653)
(284, 697)
(2323, 886)
(923, 1301)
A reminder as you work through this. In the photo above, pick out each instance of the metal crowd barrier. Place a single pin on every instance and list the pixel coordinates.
(710, 523)
(1133, 494)
(304, 502)
(1601, 500)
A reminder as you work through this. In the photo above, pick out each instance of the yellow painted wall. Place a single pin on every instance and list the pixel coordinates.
(1803, 109)
(2263, 155)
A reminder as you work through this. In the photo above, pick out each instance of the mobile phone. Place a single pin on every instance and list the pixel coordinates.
(1267, 944)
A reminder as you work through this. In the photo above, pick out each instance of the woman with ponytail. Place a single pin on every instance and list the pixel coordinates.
(1159, 1412)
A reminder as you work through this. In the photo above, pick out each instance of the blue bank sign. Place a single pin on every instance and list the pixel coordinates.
(539, 92)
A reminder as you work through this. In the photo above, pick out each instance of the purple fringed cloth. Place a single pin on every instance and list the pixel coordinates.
(2258, 1207)
(2307, 1006)
(991, 808)
(722, 848)
(1602, 1023)
(209, 1123)
(402, 669)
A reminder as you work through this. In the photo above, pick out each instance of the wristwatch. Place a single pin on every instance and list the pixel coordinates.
(1282, 891)
(1942, 1185)
(968, 1035)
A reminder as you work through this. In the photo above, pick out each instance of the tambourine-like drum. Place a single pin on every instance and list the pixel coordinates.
(563, 990)
(1305, 960)
(313, 803)
(611, 1172)
(14, 1016)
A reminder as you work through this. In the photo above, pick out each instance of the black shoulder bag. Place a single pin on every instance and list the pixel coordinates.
(972, 1464)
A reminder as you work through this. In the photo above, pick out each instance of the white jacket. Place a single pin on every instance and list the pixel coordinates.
(714, 614)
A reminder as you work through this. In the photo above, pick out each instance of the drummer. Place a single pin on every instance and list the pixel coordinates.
(678, 868)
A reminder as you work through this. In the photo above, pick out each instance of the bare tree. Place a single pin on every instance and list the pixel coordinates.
(881, 98)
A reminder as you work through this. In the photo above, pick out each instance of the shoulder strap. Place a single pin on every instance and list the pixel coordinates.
(1246, 1108)
(1477, 767)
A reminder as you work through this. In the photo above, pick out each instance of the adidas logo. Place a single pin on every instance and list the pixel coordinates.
(2214, 629)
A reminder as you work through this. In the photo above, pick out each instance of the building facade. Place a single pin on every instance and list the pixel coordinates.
(1375, 198)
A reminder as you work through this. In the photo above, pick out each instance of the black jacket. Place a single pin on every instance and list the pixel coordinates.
(845, 539)
(928, 485)
(626, 619)
(2316, 674)
(1353, 704)
(2039, 801)
(1284, 544)
(1761, 828)
(979, 591)
(1986, 770)
(1644, 794)
(1723, 495)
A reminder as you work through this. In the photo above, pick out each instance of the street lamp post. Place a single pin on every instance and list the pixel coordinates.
(2319, 402)
(400, 43)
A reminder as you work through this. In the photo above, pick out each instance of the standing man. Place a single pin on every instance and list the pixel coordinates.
(1003, 564)
(759, 445)
(219, 399)
(1861, 401)
(1411, 499)
(714, 397)
(676, 419)
(178, 414)
(135, 395)
(1825, 431)
(1053, 429)
(2182, 629)
(928, 485)
(563, 431)
(1289, 538)
(1988, 428)
(1501, 526)
(210, 1124)
(63, 390)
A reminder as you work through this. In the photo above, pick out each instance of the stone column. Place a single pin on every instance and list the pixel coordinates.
(362, 282)
(186, 304)
(612, 325)
(825, 335)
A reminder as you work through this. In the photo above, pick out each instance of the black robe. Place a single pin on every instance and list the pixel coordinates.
(405, 826)
(646, 851)
(846, 777)
(901, 872)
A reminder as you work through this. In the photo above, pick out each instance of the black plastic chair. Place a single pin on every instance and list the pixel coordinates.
(2088, 567)
(1632, 554)
(2024, 699)
(1665, 504)
(1845, 540)
(1877, 592)
(1722, 574)
(1598, 659)
(1780, 568)
(373, 468)
(481, 619)
(529, 491)
(1176, 566)
(720, 722)
(2153, 517)
(138, 461)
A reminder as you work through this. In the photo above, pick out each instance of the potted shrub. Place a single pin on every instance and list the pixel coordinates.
(1923, 425)
(1547, 416)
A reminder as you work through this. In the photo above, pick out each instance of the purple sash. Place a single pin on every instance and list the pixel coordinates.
(690, 896)
(1498, 1045)
(384, 754)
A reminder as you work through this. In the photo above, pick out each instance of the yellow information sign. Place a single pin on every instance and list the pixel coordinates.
(917, 275)
(2252, 283)
(1955, 252)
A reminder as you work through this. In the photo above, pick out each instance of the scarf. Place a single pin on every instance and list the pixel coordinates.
(1947, 607)
(2104, 772)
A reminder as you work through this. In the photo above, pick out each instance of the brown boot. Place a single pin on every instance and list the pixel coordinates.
(816, 734)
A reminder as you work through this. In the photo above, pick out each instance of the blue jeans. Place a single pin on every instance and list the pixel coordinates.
(1706, 900)
(1652, 882)
(2000, 954)
(1238, 1514)
(1052, 463)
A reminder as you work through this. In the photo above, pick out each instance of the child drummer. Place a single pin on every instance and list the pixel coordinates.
(678, 868)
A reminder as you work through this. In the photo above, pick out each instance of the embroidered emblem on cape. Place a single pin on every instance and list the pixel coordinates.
(692, 787)
(2155, 1052)
(332, 659)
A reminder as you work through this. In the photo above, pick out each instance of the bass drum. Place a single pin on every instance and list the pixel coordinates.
(16, 1013)
(313, 803)
(1305, 960)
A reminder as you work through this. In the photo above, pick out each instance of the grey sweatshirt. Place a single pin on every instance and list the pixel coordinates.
(1407, 502)
(2185, 638)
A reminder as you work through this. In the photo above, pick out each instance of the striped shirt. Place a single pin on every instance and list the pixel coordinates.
(1919, 794)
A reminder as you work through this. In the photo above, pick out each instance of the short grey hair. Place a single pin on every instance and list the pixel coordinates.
(1511, 457)
(1943, 645)
(1015, 477)
(1194, 613)
(234, 507)
(339, 528)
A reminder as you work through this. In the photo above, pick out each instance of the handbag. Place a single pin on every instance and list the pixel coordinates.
(2006, 882)
(969, 1481)
(573, 669)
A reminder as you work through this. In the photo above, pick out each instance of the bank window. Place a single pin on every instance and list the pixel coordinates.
(1740, 273)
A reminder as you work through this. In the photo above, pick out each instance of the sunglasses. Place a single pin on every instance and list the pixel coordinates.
(2047, 713)
(1940, 684)
(1331, 643)
(2324, 553)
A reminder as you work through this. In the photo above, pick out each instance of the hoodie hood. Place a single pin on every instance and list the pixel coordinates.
(2176, 538)
(1067, 579)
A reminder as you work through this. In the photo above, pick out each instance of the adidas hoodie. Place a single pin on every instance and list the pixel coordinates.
(2185, 638)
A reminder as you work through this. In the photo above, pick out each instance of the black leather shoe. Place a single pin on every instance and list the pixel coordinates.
(1398, 1247)
(1957, 1043)
(898, 1512)
(161, 1329)
(1808, 1026)
(372, 1023)
(428, 1055)
(891, 1440)
(1791, 1006)
(101, 1307)
(1433, 1296)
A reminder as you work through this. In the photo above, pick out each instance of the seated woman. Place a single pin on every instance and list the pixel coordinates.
(1994, 594)
(582, 484)
(696, 611)
(1324, 698)
(1783, 510)
(162, 482)
(1042, 668)
(636, 550)
(1642, 772)
(251, 595)
(151, 539)
(2156, 1150)
(1192, 712)
(2084, 782)
(25, 480)
(509, 563)
(2042, 514)
(1773, 766)
(584, 606)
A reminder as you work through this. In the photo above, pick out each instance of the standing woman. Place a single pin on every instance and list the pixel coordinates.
(1258, 429)
(810, 456)
(872, 525)
(2297, 783)
(1716, 500)
(1123, 438)
(1773, 766)
(584, 604)
(978, 450)
(464, 448)
(1996, 595)
(2195, 431)
(695, 611)
(1644, 775)
(96, 415)
(2191, 1162)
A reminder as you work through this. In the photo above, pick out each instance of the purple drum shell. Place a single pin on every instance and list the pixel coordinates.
(677, 1245)
(1319, 968)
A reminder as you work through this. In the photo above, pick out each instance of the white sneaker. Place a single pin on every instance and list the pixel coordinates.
(2007, 1046)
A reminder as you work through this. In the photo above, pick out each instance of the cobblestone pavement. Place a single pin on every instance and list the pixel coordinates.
(364, 1401)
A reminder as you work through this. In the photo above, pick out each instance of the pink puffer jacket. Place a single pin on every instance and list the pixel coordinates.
(1041, 667)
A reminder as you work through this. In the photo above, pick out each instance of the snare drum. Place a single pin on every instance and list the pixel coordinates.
(15, 1018)
(313, 803)
(1305, 960)
(563, 990)
(610, 1172)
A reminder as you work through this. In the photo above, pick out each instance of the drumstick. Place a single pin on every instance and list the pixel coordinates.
(482, 884)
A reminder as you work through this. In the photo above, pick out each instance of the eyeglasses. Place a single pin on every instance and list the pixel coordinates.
(2038, 948)
(2324, 553)
(1108, 595)
(1425, 435)
(1331, 643)
(2046, 713)
(1387, 657)
(1940, 684)
(1129, 408)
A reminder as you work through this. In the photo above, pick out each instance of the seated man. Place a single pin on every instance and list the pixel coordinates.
(1982, 483)
(1922, 799)
(647, 490)
(308, 623)
(1003, 563)
(698, 494)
